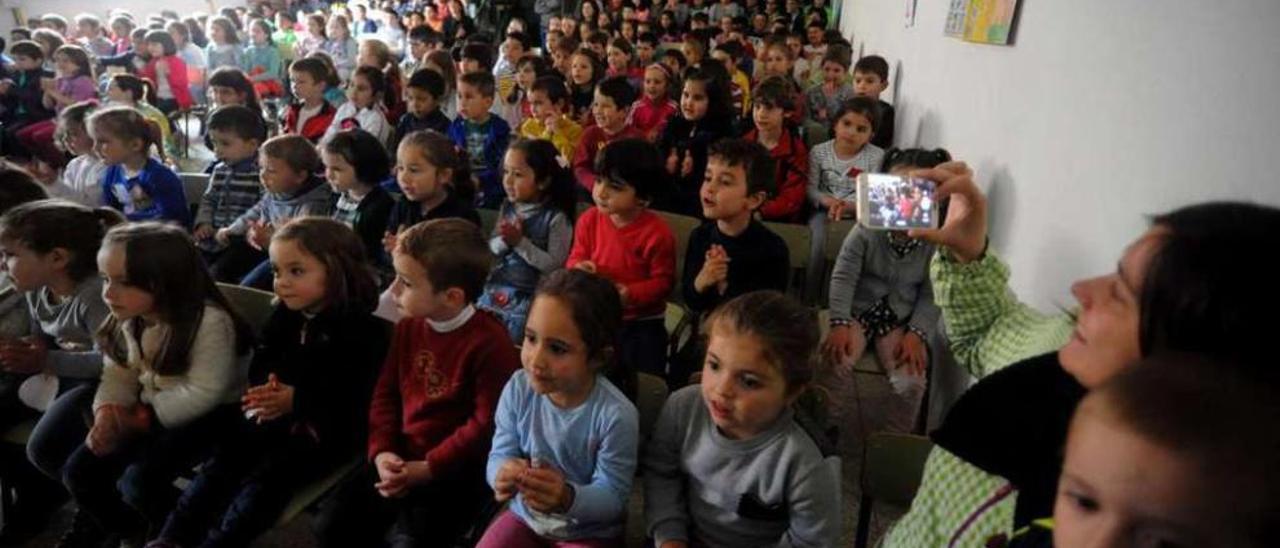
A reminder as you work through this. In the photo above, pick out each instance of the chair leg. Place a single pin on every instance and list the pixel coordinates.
(864, 522)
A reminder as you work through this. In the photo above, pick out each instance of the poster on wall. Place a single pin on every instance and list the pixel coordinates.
(990, 21)
(955, 18)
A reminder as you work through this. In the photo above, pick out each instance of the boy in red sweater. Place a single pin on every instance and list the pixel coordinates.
(609, 108)
(431, 418)
(623, 241)
(773, 103)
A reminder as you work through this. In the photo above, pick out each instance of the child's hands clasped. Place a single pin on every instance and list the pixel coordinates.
(715, 271)
(506, 480)
(269, 401)
(397, 475)
(511, 231)
(545, 490)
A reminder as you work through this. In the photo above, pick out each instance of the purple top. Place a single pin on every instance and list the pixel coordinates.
(78, 88)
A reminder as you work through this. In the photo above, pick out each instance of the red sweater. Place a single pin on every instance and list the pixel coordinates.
(641, 256)
(437, 393)
(792, 165)
(651, 116)
(593, 139)
(316, 125)
(177, 78)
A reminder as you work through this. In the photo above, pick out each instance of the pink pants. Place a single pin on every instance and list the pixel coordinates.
(509, 531)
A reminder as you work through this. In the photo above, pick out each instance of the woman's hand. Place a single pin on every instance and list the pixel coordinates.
(964, 231)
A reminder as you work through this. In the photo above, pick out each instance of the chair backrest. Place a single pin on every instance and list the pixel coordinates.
(254, 305)
(193, 184)
(798, 238)
(836, 233)
(894, 466)
(488, 220)
(681, 226)
(651, 393)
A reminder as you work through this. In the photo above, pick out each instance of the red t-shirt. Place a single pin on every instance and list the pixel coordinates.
(593, 139)
(640, 256)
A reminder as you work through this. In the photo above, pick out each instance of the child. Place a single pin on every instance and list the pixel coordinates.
(125, 89)
(310, 381)
(168, 71)
(341, 47)
(880, 295)
(646, 49)
(91, 36)
(780, 62)
(73, 83)
(562, 57)
(285, 37)
(230, 86)
(224, 44)
(315, 38)
(870, 78)
(23, 91)
(729, 465)
(633, 247)
(728, 54)
(825, 99)
(237, 134)
(441, 62)
(620, 56)
(50, 247)
(675, 62)
(355, 164)
(669, 31)
(513, 105)
(585, 71)
(705, 117)
(564, 450)
(773, 103)
(176, 356)
(482, 135)
(289, 164)
(192, 56)
(261, 60)
(694, 48)
(81, 180)
(504, 71)
(431, 420)
(422, 99)
(435, 184)
(134, 182)
(612, 103)
(549, 99)
(533, 233)
(474, 57)
(364, 109)
(310, 115)
(422, 40)
(816, 47)
(375, 53)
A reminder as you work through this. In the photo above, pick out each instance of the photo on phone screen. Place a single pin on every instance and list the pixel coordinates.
(892, 202)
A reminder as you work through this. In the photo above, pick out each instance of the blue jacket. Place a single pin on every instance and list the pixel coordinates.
(154, 194)
(490, 195)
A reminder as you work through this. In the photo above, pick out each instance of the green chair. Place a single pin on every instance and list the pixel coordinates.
(310, 494)
(488, 220)
(681, 226)
(891, 472)
(836, 233)
(254, 305)
(798, 238)
(193, 185)
(651, 393)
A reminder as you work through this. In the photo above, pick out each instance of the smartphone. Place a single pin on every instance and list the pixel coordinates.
(893, 202)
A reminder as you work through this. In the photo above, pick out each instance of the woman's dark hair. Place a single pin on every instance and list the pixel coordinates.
(715, 80)
(633, 162)
(596, 308)
(1198, 295)
(364, 152)
(46, 225)
(350, 282)
(865, 106)
(440, 152)
(165, 40)
(787, 331)
(17, 187)
(553, 178)
(163, 260)
(234, 78)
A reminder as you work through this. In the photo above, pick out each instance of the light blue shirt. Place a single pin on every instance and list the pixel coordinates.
(593, 445)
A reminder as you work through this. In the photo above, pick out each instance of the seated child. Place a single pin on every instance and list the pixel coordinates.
(73, 83)
(135, 183)
(773, 104)
(825, 99)
(621, 240)
(422, 98)
(355, 164)
(310, 115)
(306, 410)
(533, 233)
(22, 93)
(364, 109)
(127, 90)
(870, 78)
(432, 416)
(729, 465)
(728, 54)
(237, 134)
(261, 60)
(613, 99)
(655, 106)
(434, 184)
(586, 69)
(549, 99)
(705, 117)
(81, 180)
(482, 135)
(620, 57)
(564, 450)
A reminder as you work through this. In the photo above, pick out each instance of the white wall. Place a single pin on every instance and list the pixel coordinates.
(70, 8)
(1102, 112)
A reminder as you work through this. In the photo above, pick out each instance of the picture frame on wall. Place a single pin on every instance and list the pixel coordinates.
(983, 21)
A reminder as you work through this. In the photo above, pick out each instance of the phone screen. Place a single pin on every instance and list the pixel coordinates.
(892, 202)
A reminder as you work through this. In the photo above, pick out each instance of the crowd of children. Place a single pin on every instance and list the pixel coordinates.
(355, 149)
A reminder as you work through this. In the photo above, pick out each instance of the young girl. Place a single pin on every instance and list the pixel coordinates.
(341, 47)
(333, 92)
(375, 53)
(620, 55)
(355, 164)
(515, 108)
(880, 294)
(81, 179)
(705, 117)
(168, 72)
(135, 183)
(585, 71)
(826, 98)
(314, 39)
(564, 446)
(224, 45)
(440, 61)
(669, 31)
(364, 109)
(729, 465)
(534, 230)
(74, 83)
(131, 91)
(655, 106)
(434, 181)
(306, 411)
(261, 60)
(192, 55)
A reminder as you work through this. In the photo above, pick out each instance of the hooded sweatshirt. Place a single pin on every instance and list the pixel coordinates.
(313, 199)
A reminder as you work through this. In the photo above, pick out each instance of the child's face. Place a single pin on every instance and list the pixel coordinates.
(618, 59)
(568, 26)
(580, 70)
(815, 36)
(366, 58)
(868, 84)
(314, 27)
(418, 49)
(560, 60)
(724, 192)
(1119, 489)
(777, 63)
(419, 102)
(525, 76)
(278, 176)
(66, 66)
(414, 294)
(78, 141)
(744, 393)
(29, 270)
(854, 129)
(554, 356)
(217, 35)
(306, 87)
(598, 47)
(672, 64)
(112, 149)
(471, 104)
(338, 171)
(87, 30)
(542, 106)
(553, 40)
(616, 198)
(360, 92)
(231, 148)
(126, 301)
(337, 30)
(796, 46)
(258, 35)
(697, 24)
(645, 52)
(468, 65)
(420, 180)
(226, 95)
(655, 83)
(768, 118)
(760, 23)
(512, 50)
(608, 115)
(518, 179)
(693, 100)
(301, 280)
(832, 72)
(691, 53)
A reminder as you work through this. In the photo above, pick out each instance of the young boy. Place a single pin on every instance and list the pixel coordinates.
(774, 101)
(236, 132)
(483, 135)
(610, 110)
(870, 78)
(562, 56)
(422, 96)
(422, 41)
(735, 254)
(311, 115)
(675, 61)
(815, 31)
(646, 49)
(623, 241)
(22, 93)
(598, 42)
(728, 54)
(474, 57)
(550, 99)
(825, 98)
(512, 49)
(431, 418)
(91, 37)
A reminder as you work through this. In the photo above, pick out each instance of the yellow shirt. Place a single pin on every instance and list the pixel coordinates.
(743, 82)
(565, 137)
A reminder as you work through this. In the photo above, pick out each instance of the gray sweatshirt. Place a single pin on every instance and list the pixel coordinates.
(867, 270)
(775, 489)
(71, 324)
(315, 198)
